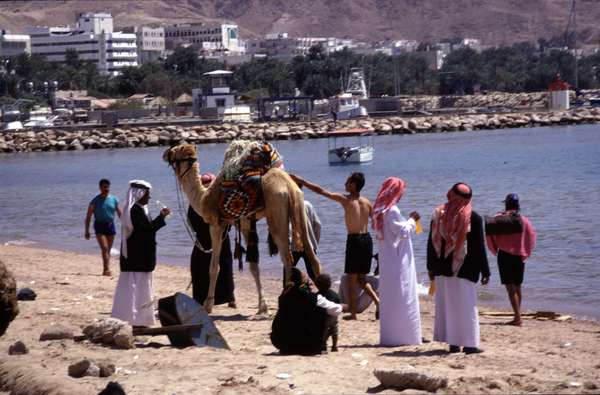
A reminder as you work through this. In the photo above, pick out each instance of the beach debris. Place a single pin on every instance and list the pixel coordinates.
(408, 376)
(112, 388)
(26, 294)
(565, 345)
(110, 331)
(364, 362)
(356, 355)
(588, 385)
(538, 315)
(83, 368)
(233, 381)
(283, 376)
(57, 332)
(86, 367)
(495, 384)
(574, 384)
(457, 365)
(18, 348)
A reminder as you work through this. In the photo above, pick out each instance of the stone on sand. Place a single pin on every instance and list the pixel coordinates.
(408, 376)
(57, 332)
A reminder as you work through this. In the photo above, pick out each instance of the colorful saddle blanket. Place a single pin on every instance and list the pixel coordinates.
(241, 195)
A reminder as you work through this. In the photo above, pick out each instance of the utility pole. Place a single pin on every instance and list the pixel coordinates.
(572, 29)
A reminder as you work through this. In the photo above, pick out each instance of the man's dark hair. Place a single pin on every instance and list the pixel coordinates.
(510, 205)
(104, 181)
(296, 276)
(323, 282)
(358, 179)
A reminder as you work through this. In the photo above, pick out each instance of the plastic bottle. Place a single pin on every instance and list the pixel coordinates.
(418, 228)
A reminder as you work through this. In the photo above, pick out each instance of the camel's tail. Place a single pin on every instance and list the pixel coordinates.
(300, 237)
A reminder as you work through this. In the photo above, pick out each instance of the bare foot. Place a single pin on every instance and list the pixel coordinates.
(107, 273)
(515, 323)
(350, 317)
(232, 305)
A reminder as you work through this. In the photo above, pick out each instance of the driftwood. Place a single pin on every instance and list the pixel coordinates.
(538, 315)
(165, 330)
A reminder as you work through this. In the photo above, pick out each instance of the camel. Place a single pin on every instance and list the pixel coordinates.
(9, 307)
(283, 204)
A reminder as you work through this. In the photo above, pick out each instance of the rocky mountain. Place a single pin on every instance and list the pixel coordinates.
(493, 21)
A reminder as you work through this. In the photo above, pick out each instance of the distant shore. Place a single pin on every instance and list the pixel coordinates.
(542, 356)
(166, 135)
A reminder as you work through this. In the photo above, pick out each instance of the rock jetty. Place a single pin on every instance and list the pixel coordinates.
(166, 135)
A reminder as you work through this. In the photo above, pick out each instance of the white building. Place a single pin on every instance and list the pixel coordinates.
(218, 97)
(281, 46)
(404, 46)
(13, 45)
(209, 37)
(150, 42)
(92, 37)
(433, 57)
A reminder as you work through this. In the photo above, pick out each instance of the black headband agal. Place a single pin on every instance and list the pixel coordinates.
(140, 186)
(460, 193)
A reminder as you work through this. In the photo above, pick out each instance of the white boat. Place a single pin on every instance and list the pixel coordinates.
(347, 104)
(348, 107)
(11, 126)
(40, 122)
(350, 146)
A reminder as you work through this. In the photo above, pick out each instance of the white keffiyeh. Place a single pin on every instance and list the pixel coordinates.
(137, 190)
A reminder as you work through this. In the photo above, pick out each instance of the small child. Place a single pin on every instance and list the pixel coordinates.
(323, 283)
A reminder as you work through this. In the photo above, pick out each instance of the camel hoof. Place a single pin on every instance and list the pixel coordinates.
(263, 309)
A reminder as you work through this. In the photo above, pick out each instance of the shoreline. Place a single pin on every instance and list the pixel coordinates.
(499, 304)
(541, 356)
(130, 136)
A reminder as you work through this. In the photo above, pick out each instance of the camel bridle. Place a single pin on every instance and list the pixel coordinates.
(176, 163)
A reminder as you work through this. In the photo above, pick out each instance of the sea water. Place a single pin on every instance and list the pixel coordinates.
(555, 171)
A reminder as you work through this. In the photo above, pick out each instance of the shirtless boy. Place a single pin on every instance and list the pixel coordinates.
(359, 245)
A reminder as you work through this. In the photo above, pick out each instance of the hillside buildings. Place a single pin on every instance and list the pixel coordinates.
(282, 46)
(209, 38)
(92, 37)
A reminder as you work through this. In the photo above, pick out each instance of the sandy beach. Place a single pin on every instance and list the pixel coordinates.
(540, 357)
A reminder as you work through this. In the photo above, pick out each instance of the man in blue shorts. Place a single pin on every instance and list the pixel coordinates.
(103, 207)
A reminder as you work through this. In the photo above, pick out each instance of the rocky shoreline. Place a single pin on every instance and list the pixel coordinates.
(141, 136)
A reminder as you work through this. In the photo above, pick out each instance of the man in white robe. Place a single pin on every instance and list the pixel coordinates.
(133, 296)
(456, 257)
(399, 300)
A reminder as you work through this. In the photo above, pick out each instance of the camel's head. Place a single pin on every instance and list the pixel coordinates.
(176, 156)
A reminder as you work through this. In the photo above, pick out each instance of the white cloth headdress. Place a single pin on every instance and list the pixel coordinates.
(137, 190)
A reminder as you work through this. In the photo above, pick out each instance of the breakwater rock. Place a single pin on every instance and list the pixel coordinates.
(165, 135)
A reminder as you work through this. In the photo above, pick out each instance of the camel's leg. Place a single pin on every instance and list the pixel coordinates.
(254, 269)
(279, 228)
(216, 234)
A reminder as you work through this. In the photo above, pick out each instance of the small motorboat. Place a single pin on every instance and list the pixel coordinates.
(350, 146)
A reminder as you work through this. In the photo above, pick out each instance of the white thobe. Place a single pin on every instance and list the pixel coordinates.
(133, 299)
(400, 317)
(456, 316)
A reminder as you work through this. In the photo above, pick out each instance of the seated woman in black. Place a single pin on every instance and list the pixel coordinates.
(299, 324)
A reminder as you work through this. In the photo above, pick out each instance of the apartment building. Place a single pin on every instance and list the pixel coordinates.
(92, 37)
(206, 37)
(13, 45)
(150, 42)
(282, 46)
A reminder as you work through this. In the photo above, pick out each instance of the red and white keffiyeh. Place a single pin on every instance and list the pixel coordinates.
(390, 193)
(451, 222)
